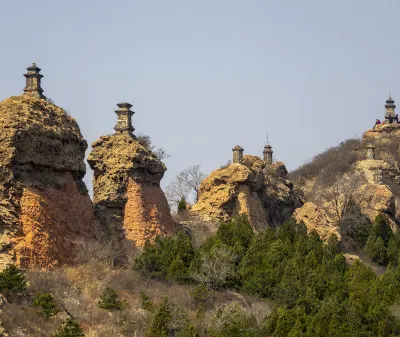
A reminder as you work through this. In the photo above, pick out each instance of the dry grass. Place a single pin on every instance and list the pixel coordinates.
(78, 290)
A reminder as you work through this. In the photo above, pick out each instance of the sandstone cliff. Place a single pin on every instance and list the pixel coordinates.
(44, 207)
(127, 195)
(262, 192)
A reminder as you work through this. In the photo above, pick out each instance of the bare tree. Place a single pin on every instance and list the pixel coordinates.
(339, 193)
(185, 185)
(215, 267)
(146, 142)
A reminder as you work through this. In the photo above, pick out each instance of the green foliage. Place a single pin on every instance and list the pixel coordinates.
(109, 300)
(200, 294)
(236, 233)
(167, 257)
(70, 329)
(12, 280)
(161, 320)
(314, 290)
(145, 302)
(383, 245)
(182, 205)
(46, 304)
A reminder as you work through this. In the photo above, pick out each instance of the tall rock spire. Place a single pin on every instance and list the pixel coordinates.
(33, 77)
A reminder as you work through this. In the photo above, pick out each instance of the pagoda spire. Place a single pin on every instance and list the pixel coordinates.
(33, 77)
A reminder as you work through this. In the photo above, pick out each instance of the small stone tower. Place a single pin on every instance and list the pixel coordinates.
(268, 154)
(237, 154)
(33, 87)
(370, 152)
(124, 123)
(389, 106)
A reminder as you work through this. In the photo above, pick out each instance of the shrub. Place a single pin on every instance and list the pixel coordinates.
(200, 294)
(145, 302)
(12, 280)
(70, 329)
(46, 304)
(109, 300)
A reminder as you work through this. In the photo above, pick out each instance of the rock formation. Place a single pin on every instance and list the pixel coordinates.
(44, 205)
(127, 195)
(316, 219)
(373, 179)
(248, 186)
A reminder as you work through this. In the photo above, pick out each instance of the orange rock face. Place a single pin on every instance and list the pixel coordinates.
(251, 188)
(52, 222)
(146, 213)
(128, 198)
(44, 204)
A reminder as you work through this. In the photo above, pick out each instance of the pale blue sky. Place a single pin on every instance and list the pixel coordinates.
(204, 76)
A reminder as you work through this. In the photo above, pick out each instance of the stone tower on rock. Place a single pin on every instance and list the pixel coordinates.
(128, 198)
(45, 208)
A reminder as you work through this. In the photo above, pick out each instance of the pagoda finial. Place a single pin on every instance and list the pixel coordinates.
(124, 123)
(33, 77)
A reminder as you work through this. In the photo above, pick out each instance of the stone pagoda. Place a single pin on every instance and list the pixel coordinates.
(389, 109)
(124, 122)
(33, 78)
(268, 154)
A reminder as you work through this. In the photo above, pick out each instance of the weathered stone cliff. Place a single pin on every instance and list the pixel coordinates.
(251, 187)
(127, 195)
(44, 205)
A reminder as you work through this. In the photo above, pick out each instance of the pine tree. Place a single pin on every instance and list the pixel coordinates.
(145, 302)
(12, 280)
(46, 304)
(70, 329)
(161, 320)
(182, 205)
(109, 300)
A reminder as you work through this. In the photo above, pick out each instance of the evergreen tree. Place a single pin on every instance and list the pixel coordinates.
(145, 302)
(46, 304)
(70, 329)
(12, 280)
(161, 320)
(182, 205)
(109, 300)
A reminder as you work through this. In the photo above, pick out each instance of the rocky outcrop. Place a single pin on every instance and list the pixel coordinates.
(262, 192)
(127, 195)
(316, 219)
(44, 205)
